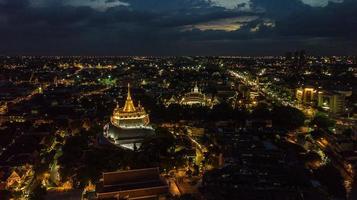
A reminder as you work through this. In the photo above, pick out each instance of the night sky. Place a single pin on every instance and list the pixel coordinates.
(177, 27)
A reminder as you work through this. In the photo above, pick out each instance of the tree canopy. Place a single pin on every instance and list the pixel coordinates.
(287, 117)
(322, 121)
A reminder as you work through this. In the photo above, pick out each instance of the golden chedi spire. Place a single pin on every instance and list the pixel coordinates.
(196, 89)
(129, 104)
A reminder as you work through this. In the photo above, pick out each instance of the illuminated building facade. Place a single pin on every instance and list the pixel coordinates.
(331, 101)
(128, 125)
(195, 97)
(306, 95)
(3, 108)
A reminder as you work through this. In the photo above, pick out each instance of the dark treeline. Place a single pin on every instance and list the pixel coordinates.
(283, 117)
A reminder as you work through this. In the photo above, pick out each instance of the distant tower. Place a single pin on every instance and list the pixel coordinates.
(40, 89)
(31, 77)
(55, 81)
(196, 89)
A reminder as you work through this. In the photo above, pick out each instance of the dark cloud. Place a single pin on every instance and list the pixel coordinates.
(334, 20)
(159, 27)
(169, 6)
(279, 9)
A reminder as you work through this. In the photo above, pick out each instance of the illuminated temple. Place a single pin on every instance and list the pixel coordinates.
(129, 125)
(195, 97)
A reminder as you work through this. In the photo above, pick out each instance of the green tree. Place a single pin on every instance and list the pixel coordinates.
(183, 197)
(38, 193)
(261, 112)
(159, 150)
(348, 132)
(159, 144)
(331, 178)
(287, 117)
(5, 194)
(322, 121)
(316, 134)
(222, 111)
(72, 151)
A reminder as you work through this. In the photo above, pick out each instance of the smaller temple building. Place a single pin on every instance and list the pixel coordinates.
(194, 98)
(143, 184)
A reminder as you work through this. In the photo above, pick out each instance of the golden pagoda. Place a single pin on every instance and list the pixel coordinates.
(130, 116)
(129, 125)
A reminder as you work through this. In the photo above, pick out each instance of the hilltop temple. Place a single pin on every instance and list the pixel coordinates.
(129, 125)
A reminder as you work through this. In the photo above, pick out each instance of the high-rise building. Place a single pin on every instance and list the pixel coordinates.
(306, 95)
(332, 102)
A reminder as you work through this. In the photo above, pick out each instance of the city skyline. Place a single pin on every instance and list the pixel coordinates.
(178, 99)
(188, 128)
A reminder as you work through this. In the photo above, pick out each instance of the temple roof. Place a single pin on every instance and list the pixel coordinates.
(139, 184)
(129, 104)
(195, 89)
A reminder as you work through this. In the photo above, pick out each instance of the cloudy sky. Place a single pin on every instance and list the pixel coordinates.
(177, 27)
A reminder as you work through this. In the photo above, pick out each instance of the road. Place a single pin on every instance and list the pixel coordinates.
(270, 95)
(350, 184)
